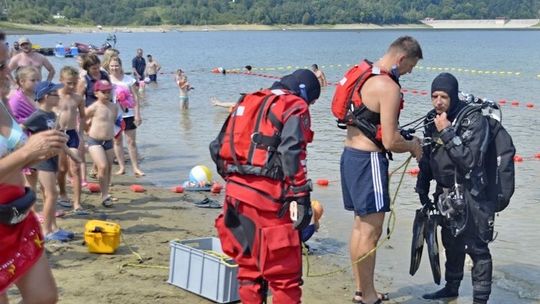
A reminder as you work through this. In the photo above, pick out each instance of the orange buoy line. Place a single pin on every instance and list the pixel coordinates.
(437, 69)
(415, 171)
(514, 103)
(215, 188)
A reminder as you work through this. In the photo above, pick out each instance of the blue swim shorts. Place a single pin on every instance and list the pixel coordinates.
(364, 181)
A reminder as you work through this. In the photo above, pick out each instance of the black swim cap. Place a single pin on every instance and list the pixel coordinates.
(301, 82)
(447, 83)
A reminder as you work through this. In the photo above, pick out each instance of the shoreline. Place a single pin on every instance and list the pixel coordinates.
(20, 29)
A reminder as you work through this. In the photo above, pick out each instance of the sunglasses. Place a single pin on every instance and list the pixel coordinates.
(3, 65)
(105, 91)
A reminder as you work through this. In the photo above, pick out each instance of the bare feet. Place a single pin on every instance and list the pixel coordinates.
(120, 172)
(139, 173)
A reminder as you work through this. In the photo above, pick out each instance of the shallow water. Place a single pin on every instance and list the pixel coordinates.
(505, 65)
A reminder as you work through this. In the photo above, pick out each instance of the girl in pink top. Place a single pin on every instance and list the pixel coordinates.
(22, 105)
(21, 102)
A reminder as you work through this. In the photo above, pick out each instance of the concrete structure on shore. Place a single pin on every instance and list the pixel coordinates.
(499, 23)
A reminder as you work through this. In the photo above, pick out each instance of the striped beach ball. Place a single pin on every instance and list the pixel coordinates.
(200, 174)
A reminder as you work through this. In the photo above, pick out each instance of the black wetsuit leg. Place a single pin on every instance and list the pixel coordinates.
(455, 261)
(455, 255)
(482, 270)
(477, 237)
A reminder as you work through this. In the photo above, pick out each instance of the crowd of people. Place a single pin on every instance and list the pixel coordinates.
(47, 128)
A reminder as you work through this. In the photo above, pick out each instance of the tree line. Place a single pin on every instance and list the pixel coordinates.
(268, 12)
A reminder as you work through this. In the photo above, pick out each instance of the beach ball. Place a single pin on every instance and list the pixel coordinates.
(200, 174)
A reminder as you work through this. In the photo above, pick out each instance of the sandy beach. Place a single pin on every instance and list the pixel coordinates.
(149, 221)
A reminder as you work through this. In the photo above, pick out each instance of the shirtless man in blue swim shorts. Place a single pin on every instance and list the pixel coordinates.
(364, 164)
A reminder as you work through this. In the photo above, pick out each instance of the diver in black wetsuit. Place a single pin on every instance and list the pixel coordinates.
(452, 157)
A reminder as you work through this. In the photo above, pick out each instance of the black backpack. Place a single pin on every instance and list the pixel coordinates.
(499, 152)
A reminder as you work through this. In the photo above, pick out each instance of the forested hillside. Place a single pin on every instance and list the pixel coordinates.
(201, 12)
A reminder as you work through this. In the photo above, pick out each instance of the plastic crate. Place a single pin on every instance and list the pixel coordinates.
(195, 266)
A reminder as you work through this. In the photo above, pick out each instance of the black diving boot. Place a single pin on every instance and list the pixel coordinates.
(450, 290)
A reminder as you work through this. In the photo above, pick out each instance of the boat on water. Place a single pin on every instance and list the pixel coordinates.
(87, 48)
(62, 51)
(83, 48)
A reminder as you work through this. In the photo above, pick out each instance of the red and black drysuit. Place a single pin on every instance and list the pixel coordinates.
(255, 227)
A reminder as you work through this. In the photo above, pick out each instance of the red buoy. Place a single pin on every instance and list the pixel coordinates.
(530, 105)
(537, 156)
(322, 182)
(515, 103)
(178, 189)
(137, 188)
(413, 171)
(93, 187)
(414, 92)
(518, 158)
(502, 101)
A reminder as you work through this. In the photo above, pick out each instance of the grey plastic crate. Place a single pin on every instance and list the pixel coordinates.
(200, 272)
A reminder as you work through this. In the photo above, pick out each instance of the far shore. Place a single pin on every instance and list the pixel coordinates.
(20, 29)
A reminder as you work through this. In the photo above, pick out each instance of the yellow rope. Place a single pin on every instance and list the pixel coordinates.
(390, 230)
(140, 259)
(223, 257)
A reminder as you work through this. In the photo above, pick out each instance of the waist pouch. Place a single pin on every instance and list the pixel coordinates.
(17, 210)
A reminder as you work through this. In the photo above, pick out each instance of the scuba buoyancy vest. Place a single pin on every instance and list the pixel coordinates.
(347, 105)
(498, 152)
(248, 141)
(441, 165)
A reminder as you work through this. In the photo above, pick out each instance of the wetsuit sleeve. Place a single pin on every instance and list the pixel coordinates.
(465, 148)
(424, 175)
(295, 136)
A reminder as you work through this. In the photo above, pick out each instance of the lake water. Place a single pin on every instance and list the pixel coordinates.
(494, 64)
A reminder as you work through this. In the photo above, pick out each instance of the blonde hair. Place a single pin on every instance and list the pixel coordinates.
(107, 56)
(24, 73)
(68, 71)
(117, 59)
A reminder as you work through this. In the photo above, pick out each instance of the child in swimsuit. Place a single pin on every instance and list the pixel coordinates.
(184, 87)
(101, 116)
(70, 119)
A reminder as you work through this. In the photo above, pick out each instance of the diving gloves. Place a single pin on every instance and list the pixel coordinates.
(300, 211)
